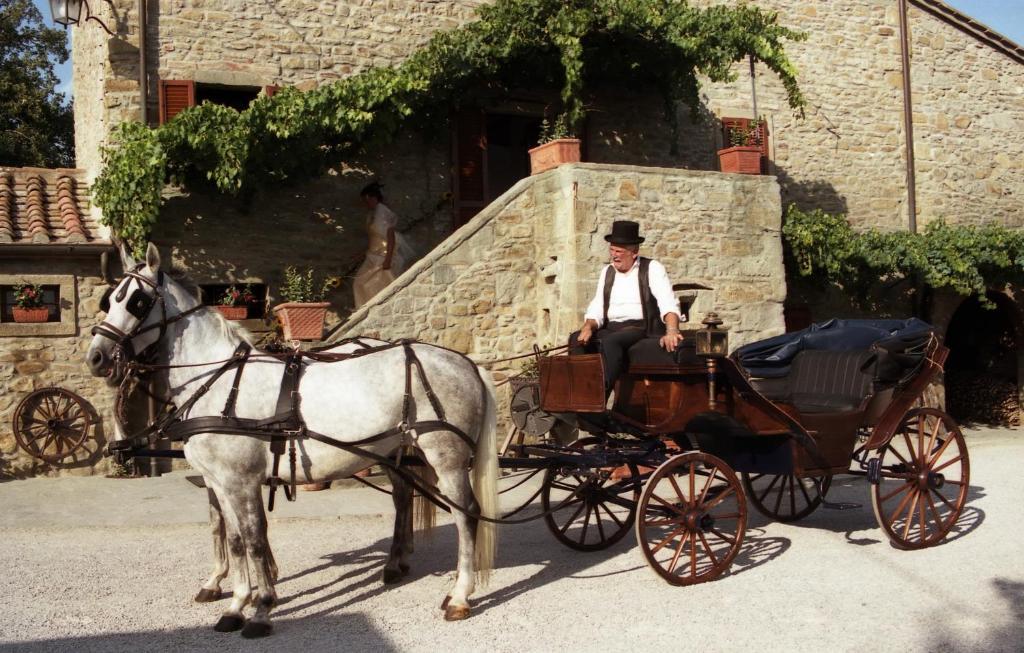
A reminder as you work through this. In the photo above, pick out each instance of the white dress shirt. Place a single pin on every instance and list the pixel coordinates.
(625, 304)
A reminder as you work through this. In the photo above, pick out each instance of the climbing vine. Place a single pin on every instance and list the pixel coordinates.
(664, 44)
(968, 260)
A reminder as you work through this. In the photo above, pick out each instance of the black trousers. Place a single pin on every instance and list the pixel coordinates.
(612, 342)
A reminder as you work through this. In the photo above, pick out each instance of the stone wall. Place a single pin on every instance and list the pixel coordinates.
(522, 271)
(968, 141)
(848, 154)
(30, 362)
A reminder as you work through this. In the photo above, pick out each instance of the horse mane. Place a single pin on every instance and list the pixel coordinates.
(227, 327)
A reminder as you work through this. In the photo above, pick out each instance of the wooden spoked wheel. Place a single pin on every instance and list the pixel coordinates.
(691, 519)
(925, 473)
(600, 502)
(51, 424)
(526, 413)
(785, 497)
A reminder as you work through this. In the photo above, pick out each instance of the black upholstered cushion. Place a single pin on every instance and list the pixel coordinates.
(830, 381)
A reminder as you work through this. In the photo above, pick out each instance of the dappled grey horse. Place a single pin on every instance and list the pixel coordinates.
(346, 401)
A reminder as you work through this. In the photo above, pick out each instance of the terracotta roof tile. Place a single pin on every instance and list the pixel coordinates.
(42, 206)
(6, 207)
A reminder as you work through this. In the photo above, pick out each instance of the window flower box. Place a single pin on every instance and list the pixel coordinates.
(28, 315)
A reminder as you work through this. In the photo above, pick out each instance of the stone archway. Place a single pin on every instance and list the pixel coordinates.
(983, 370)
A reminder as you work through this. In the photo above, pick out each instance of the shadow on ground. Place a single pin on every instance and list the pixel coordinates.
(1005, 637)
(350, 631)
(523, 545)
(858, 523)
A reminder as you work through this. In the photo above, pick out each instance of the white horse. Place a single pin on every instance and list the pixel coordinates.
(347, 401)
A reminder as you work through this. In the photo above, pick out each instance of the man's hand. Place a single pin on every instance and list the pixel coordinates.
(670, 341)
(586, 333)
(672, 337)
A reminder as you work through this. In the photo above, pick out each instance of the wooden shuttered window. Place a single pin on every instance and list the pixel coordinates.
(176, 95)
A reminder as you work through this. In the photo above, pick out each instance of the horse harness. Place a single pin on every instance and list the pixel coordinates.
(287, 424)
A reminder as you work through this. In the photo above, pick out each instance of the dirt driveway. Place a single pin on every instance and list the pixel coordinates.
(108, 565)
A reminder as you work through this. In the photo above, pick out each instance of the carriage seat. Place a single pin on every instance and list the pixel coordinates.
(647, 357)
(822, 381)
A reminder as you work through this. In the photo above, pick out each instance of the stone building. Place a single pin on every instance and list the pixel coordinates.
(541, 237)
(49, 237)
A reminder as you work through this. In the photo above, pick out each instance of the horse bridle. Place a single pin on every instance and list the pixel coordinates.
(140, 305)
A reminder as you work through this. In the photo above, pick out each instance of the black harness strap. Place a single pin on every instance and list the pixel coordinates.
(242, 353)
(286, 426)
(410, 360)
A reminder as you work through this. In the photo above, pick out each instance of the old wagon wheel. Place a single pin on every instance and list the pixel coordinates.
(924, 473)
(785, 497)
(692, 518)
(51, 424)
(600, 503)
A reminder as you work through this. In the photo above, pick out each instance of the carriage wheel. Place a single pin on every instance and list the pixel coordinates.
(692, 518)
(526, 413)
(925, 473)
(603, 500)
(51, 424)
(785, 497)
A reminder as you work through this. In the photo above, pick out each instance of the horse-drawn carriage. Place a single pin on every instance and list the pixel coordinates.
(785, 413)
(691, 437)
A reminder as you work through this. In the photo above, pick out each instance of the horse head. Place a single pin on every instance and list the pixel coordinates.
(137, 316)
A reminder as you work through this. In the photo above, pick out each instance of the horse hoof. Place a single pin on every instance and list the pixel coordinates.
(392, 576)
(229, 623)
(207, 596)
(456, 612)
(255, 630)
(444, 604)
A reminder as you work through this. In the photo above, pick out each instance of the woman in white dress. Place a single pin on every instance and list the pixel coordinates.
(388, 253)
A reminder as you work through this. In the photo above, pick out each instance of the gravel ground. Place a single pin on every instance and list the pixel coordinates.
(101, 565)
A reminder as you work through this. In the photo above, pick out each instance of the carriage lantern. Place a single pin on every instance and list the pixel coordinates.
(712, 340)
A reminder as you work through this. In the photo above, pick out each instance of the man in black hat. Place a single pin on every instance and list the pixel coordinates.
(634, 299)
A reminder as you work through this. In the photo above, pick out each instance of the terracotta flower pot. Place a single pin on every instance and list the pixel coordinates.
(234, 312)
(553, 154)
(40, 314)
(302, 321)
(744, 159)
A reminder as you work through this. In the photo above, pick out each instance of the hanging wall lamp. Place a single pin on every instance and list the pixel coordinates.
(69, 12)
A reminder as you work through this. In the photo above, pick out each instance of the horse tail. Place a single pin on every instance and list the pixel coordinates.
(424, 511)
(485, 482)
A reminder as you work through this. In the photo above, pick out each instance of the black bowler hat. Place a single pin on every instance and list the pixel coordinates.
(625, 232)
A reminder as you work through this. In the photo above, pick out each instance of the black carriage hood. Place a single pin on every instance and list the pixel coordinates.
(898, 343)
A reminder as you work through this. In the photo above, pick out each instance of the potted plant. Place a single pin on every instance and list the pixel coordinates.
(744, 152)
(28, 300)
(556, 146)
(234, 303)
(304, 311)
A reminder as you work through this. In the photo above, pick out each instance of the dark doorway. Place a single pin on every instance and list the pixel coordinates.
(491, 155)
(981, 372)
(509, 139)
